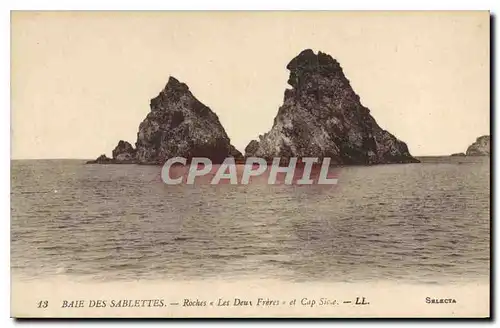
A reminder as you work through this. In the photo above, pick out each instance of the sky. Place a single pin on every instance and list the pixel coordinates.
(82, 81)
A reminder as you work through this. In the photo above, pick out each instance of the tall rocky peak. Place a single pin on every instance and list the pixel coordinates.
(322, 116)
(178, 125)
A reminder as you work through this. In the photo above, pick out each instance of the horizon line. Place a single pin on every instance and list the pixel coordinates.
(81, 158)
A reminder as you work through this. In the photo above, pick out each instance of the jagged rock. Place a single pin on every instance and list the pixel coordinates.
(480, 148)
(322, 117)
(178, 125)
(124, 152)
(458, 154)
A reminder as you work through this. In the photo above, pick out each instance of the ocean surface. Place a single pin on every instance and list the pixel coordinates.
(424, 223)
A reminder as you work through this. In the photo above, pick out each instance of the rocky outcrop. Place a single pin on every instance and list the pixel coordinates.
(178, 125)
(322, 116)
(458, 154)
(124, 152)
(480, 148)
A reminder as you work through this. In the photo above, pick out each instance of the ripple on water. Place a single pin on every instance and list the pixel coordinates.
(422, 223)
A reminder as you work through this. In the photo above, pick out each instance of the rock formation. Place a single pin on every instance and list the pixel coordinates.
(124, 152)
(177, 125)
(480, 148)
(322, 117)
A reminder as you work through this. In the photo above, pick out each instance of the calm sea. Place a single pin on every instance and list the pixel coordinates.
(416, 223)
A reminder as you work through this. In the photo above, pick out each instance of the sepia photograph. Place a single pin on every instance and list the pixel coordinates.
(258, 164)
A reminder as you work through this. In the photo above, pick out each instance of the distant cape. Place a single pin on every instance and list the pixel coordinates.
(321, 117)
(481, 147)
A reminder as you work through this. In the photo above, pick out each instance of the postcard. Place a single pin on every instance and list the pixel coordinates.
(266, 164)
